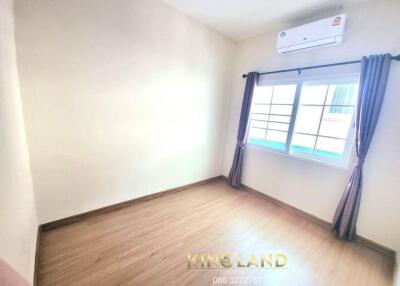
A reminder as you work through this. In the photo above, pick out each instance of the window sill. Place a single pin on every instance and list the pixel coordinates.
(343, 167)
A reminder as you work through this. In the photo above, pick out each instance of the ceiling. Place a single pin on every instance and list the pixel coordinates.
(241, 19)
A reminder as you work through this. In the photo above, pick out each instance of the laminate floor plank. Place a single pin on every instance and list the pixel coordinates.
(147, 243)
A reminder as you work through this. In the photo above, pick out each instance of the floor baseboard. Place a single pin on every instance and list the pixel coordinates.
(82, 216)
(362, 240)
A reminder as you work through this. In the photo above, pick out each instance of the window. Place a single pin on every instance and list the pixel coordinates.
(308, 118)
(271, 113)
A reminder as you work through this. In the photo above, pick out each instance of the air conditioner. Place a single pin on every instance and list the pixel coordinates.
(322, 33)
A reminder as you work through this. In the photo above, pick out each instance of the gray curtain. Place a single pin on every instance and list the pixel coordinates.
(374, 74)
(236, 169)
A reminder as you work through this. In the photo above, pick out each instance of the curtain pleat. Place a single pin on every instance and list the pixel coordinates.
(373, 79)
(236, 169)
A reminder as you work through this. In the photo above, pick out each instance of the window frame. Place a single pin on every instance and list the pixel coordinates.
(300, 82)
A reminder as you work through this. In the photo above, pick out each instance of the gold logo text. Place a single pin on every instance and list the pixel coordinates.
(228, 260)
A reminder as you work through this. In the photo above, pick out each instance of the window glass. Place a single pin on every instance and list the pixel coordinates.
(270, 115)
(342, 94)
(278, 126)
(336, 123)
(317, 122)
(279, 118)
(284, 94)
(330, 147)
(262, 94)
(303, 143)
(313, 94)
(281, 109)
(307, 120)
(276, 139)
(325, 116)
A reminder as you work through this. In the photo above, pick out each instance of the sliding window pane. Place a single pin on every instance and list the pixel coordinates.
(260, 108)
(336, 124)
(307, 120)
(313, 94)
(278, 126)
(259, 117)
(284, 94)
(276, 139)
(278, 101)
(279, 118)
(281, 109)
(302, 143)
(262, 94)
(259, 124)
(330, 148)
(257, 136)
(342, 94)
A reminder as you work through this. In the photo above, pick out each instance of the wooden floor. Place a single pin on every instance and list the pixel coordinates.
(148, 242)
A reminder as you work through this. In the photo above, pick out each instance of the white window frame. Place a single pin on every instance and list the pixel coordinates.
(311, 80)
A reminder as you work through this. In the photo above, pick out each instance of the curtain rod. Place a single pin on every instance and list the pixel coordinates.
(397, 58)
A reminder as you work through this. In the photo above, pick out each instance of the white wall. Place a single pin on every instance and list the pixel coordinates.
(18, 221)
(314, 188)
(122, 98)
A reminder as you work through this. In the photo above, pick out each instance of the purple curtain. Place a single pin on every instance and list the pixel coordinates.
(374, 74)
(236, 169)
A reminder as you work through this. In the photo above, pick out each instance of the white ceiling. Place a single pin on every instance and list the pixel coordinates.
(241, 19)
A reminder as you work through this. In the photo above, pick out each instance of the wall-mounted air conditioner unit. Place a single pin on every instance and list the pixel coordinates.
(322, 33)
